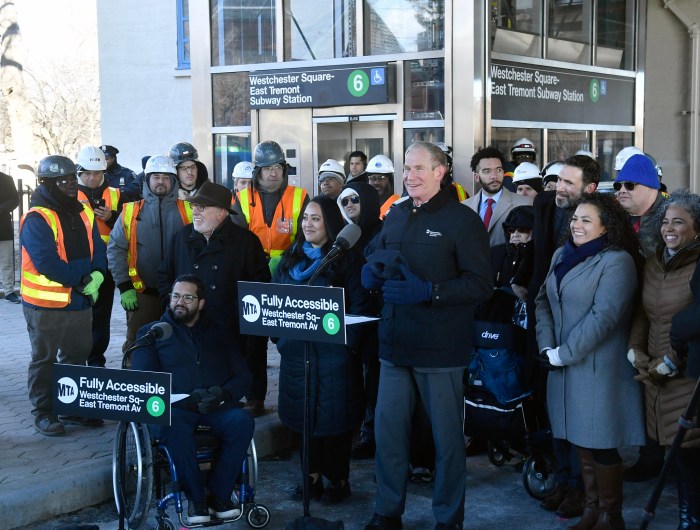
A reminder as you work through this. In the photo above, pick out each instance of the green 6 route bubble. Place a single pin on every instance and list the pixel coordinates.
(358, 83)
(331, 323)
(594, 90)
(155, 406)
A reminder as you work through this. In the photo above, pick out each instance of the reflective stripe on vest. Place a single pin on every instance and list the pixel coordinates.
(130, 214)
(111, 198)
(387, 205)
(462, 194)
(36, 288)
(274, 243)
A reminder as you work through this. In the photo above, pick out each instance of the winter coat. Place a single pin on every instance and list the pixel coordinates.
(649, 236)
(337, 404)
(445, 243)
(231, 254)
(9, 200)
(200, 356)
(119, 176)
(665, 293)
(38, 240)
(684, 327)
(593, 401)
(159, 221)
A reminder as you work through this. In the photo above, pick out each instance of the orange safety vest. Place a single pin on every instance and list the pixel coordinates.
(36, 288)
(274, 242)
(111, 198)
(387, 205)
(130, 221)
(462, 194)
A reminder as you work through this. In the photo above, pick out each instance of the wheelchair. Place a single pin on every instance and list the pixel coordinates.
(141, 467)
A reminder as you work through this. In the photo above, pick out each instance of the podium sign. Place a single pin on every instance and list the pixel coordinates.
(122, 395)
(300, 312)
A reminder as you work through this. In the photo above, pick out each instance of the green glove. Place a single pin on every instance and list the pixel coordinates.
(96, 279)
(129, 300)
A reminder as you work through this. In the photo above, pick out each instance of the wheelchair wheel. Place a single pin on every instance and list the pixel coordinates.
(497, 455)
(252, 465)
(258, 516)
(538, 476)
(132, 472)
(166, 524)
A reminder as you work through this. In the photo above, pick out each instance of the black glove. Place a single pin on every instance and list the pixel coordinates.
(543, 360)
(191, 402)
(213, 400)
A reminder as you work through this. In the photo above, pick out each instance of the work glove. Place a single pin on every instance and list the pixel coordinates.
(638, 359)
(214, 399)
(91, 285)
(369, 280)
(544, 358)
(661, 369)
(411, 290)
(129, 300)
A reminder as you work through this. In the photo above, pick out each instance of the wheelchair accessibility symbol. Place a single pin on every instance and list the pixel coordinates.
(377, 76)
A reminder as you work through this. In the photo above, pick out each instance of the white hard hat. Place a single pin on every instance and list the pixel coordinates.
(91, 158)
(243, 170)
(523, 146)
(525, 171)
(332, 166)
(584, 153)
(160, 164)
(380, 164)
(553, 168)
(444, 148)
(625, 154)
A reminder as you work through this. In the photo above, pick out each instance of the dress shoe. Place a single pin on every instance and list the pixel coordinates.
(337, 492)
(255, 406)
(384, 522)
(552, 501)
(572, 505)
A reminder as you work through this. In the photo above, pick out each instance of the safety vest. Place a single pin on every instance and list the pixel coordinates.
(130, 214)
(111, 198)
(462, 194)
(387, 205)
(36, 288)
(274, 242)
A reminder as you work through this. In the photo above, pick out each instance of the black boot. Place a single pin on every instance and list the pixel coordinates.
(688, 497)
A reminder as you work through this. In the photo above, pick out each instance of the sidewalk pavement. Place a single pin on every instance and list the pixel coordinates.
(43, 477)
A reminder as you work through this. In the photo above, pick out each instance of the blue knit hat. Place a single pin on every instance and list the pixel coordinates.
(639, 169)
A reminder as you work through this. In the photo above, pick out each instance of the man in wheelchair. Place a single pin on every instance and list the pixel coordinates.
(203, 357)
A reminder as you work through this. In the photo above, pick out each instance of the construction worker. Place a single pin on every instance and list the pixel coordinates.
(380, 174)
(139, 241)
(95, 193)
(191, 173)
(456, 190)
(63, 266)
(242, 176)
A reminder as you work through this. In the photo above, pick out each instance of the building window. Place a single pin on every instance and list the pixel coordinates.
(242, 32)
(516, 27)
(229, 149)
(422, 134)
(183, 34)
(319, 30)
(608, 144)
(425, 90)
(404, 26)
(231, 95)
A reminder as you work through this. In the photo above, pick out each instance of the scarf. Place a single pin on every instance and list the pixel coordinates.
(573, 255)
(298, 272)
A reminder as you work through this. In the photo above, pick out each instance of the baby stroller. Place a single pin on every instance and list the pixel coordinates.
(498, 404)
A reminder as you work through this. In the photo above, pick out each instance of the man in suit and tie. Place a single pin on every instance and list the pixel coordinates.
(493, 202)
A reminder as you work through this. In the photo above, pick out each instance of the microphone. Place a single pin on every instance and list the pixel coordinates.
(159, 331)
(346, 239)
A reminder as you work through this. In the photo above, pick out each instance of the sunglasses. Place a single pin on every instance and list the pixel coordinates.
(355, 199)
(629, 186)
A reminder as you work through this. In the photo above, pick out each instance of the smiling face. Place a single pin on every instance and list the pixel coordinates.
(586, 224)
(206, 219)
(351, 205)
(421, 175)
(677, 228)
(570, 186)
(314, 226)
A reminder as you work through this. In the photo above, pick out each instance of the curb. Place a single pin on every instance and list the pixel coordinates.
(79, 486)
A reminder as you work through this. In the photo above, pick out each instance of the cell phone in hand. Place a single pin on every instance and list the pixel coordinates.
(98, 203)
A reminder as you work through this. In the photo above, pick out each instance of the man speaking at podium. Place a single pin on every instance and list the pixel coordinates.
(205, 362)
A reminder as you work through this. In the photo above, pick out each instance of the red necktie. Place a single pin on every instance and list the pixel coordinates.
(488, 213)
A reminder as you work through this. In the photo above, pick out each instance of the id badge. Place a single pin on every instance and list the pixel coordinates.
(284, 226)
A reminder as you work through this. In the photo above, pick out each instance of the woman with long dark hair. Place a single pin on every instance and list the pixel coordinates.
(336, 370)
(584, 311)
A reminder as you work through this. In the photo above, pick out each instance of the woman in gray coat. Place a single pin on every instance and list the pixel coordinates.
(583, 316)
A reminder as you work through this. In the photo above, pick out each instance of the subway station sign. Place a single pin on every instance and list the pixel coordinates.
(521, 92)
(321, 87)
(299, 312)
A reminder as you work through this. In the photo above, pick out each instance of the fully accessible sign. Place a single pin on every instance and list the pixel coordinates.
(321, 87)
(299, 312)
(544, 94)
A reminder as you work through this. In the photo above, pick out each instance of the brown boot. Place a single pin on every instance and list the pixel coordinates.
(588, 475)
(609, 480)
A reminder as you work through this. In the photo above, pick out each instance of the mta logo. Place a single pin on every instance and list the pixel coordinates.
(251, 308)
(67, 390)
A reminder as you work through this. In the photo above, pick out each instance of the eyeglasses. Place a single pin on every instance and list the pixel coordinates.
(629, 186)
(274, 168)
(355, 199)
(187, 298)
(376, 178)
(67, 180)
(198, 207)
(187, 169)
